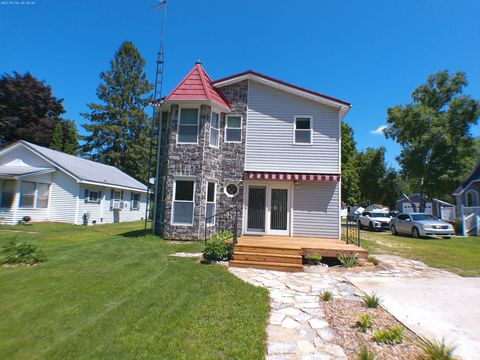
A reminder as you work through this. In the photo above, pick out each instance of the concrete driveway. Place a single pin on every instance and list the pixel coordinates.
(431, 302)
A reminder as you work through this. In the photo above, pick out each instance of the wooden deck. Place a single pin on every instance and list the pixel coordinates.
(285, 253)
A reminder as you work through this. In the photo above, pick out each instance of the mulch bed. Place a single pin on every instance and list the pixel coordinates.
(342, 316)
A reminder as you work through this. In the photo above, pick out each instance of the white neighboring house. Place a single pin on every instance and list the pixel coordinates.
(48, 185)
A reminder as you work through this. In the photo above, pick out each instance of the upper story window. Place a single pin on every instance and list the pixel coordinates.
(34, 195)
(8, 192)
(183, 202)
(215, 129)
(187, 132)
(302, 128)
(233, 128)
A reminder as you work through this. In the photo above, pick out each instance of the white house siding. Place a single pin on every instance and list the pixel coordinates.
(63, 198)
(23, 156)
(269, 145)
(102, 213)
(316, 209)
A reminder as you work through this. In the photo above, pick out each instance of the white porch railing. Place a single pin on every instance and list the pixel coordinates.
(470, 220)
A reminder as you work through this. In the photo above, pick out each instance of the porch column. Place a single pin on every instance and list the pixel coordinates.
(15, 202)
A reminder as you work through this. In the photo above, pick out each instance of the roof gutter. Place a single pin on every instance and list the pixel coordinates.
(111, 185)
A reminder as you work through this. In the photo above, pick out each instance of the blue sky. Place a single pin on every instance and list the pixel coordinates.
(370, 53)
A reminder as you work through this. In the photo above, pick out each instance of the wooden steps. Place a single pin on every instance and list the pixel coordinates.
(268, 257)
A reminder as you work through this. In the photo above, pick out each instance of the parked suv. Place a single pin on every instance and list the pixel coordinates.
(421, 224)
(374, 220)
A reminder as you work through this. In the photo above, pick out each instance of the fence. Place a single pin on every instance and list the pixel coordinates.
(351, 232)
(223, 221)
(470, 220)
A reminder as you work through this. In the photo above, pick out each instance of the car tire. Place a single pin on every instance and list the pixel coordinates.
(370, 226)
(360, 225)
(447, 237)
(415, 233)
(393, 229)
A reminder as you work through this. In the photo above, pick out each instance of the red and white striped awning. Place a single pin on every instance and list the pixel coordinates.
(255, 175)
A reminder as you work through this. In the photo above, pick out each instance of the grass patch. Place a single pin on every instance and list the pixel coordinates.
(436, 350)
(106, 291)
(459, 255)
(390, 335)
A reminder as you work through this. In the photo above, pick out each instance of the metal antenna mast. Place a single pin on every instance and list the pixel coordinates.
(156, 128)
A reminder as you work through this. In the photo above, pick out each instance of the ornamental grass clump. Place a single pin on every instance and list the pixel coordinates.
(17, 252)
(365, 354)
(326, 295)
(217, 249)
(436, 350)
(389, 335)
(372, 301)
(365, 322)
(348, 261)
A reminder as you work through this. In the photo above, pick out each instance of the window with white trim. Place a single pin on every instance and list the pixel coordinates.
(302, 130)
(233, 128)
(34, 195)
(135, 201)
(93, 196)
(183, 202)
(214, 129)
(8, 192)
(188, 126)
(211, 196)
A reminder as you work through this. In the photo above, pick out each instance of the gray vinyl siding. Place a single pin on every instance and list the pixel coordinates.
(269, 145)
(316, 209)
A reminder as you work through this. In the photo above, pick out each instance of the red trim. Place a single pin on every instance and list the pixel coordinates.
(280, 82)
(254, 175)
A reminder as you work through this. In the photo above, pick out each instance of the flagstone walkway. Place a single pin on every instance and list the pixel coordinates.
(297, 327)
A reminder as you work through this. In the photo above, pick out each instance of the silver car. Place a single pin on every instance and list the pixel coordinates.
(420, 224)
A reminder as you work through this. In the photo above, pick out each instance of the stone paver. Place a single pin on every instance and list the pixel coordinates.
(297, 327)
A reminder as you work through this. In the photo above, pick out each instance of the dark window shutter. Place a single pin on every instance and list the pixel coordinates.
(131, 200)
(111, 199)
(86, 195)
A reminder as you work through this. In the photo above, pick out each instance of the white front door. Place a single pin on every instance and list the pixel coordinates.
(268, 208)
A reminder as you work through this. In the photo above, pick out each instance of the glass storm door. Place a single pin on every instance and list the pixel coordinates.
(279, 211)
(256, 208)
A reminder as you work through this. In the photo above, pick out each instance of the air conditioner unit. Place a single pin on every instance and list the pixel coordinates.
(117, 205)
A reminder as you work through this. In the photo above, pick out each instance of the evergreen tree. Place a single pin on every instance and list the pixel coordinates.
(350, 180)
(118, 125)
(57, 138)
(28, 110)
(65, 137)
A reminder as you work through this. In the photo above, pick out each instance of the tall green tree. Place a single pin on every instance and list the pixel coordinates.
(371, 169)
(119, 125)
(28, 110)
(65, 137)
(438, 149)
(350, 180)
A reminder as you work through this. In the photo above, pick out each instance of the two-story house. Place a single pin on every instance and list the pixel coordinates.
(268, 147)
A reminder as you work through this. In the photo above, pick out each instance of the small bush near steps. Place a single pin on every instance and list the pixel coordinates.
(217, 248)
(390, 335)
(348, 261)
(314, 259)
(17, 252)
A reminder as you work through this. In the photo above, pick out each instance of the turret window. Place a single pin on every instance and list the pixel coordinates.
(188, 127)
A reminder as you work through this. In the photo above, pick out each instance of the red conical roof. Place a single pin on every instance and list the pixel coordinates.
(197, 85)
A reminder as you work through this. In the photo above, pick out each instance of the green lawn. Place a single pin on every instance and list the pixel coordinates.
(459, 255)
(107, 292)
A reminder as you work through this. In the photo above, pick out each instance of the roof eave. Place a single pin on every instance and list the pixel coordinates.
(168, 102)
(123, 187)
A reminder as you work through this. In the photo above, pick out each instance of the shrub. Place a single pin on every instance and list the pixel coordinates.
(217, 249)
(390, 335)
(364, 322)
(371, 301)
(365, 354)
(373, 260)
(21, 252)
(326, 295)
(436, 350)
(348, 261)
(458, 226)
(313, 259)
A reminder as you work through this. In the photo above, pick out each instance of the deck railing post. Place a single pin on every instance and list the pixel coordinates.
(235, 226)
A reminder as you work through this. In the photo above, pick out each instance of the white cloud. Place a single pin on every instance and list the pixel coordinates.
(379, 130)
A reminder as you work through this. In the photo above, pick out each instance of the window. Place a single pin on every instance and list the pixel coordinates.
(135, 201)
(231, 189)
(8, 191)
(27, 194)
(93, 196)
(214, 129)
(210, 211)
(42, 195)
(188, 126)
(233, 129)
(302, 130)
(472, 198)
(183, 202)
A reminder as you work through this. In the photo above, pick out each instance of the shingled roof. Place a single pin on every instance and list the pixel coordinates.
(197, 85)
